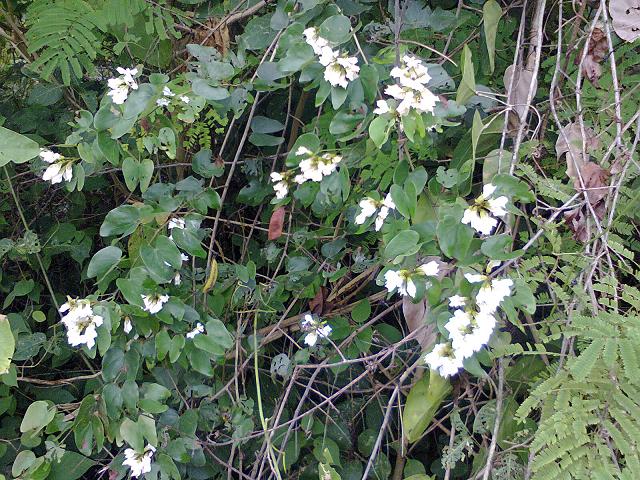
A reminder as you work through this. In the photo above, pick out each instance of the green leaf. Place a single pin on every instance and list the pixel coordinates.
(122, 220)
(37, 416)
(361, 311)
(16, 148)
(264, 140)
(336, 29)
(491, 13)
(403, 243)
(71, 466)
(103, 262)
(467, 88)
(379, 130)
(454, 238)
(261, 124)
(217, 339)
(423, 402)
(7, 344)
(476, 131)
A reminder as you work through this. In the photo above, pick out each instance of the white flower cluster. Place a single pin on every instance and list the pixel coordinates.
(315, 329)
(339, 68)
(59, 167)
(167, 94)
(370, 206)
(81, 322)
(469, 329)
(139, 463)
(402, 280)
(410, 90)
(153, 303)
(196, 331)
(481, 215)
(313, 167)
(119, 86)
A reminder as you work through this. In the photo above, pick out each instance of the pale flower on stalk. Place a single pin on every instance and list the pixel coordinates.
(280, 184)
(457, 301)
(492, 293)
(444, 359)
(313, 38)
(57, 172)
(382, 107)
(370, 206)
(314, 168)
(166, 91)
(128, 326)
(341, 70)
(162, 102)
(80, 322)
(153, 303)
(184, 99)
(176, 222)
(196, 331)
(119, 86)
(413, 73)
(401, 281)
(429, 269)
(315, 329)
(469, 331)
(49, 156)
(128, 76)
(139, 463)
(481, 214)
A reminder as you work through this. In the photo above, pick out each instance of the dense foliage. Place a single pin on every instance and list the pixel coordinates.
(310, 239)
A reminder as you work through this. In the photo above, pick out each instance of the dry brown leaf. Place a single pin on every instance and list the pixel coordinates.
(597, 50)
(571, 144)
(276, 223)
(414, 315)
(625, 16)
(595, 182)
(317, 304)
(519, 94)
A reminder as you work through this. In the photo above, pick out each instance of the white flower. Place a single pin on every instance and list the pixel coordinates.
(140, 463)
(196, 331)
(341, 70)
(430, 269)
(303, 151)
(368, 207)
(177, 279)
(475, 277)
(457, 301)
(315, 329)
(315, 40)
(166, 91)
(387, 205)
(481, 214)
(56, 172)
(470, 331)
(184, 99)
(49, 156)
(315, 168)
(444, 359)
(127, 75)
(280, 184)
(162, 102)
(184, 257)
(153, 303)
(81, 322)
(382, 107)
(128, 326)
(327, 56)
(400, 280)
(412, 73)
(492, 293)
(176, 222)
(119, 87)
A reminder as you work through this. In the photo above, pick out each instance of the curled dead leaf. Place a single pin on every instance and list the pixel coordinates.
(625, 17)
(570, 142)
(318, 304)
(597, 50)
(276, 223)
(596, 187)
(415, 315)
(517, 96)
